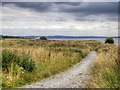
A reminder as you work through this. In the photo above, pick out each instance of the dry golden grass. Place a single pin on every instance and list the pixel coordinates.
(50, 57)
(106, 72)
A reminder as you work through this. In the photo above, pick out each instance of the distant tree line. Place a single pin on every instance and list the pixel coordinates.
(11, 37)
(41, 38)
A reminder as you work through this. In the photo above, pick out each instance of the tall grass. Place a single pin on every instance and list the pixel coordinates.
(13, 65)
(106, 72)
(49, 57)
(33, 60)
(0, 63)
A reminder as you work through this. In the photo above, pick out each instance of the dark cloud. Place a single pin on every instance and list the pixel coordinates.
(93, 8)
(109, 10)
(80, 10)
(72, 7)
(37, 6)
(68, 3)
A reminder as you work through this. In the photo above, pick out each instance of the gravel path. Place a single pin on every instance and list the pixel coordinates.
(75, 77)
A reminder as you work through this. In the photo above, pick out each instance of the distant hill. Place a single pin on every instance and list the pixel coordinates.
(57, 37)
(78, 37)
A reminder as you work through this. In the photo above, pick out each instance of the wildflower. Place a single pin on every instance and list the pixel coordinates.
(21, 68)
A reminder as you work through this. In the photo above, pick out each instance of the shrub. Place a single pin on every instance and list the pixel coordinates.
(28, 64)
(109, 40)
(8, 58)
(11, 57)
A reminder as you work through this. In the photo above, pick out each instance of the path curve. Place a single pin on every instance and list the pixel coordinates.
(75, 77)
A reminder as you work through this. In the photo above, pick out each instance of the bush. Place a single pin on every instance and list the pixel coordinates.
(11, 57)
(109, 40)
(28, 64)
(8, 58)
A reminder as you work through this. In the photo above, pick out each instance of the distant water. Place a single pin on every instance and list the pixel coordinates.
(116, 40)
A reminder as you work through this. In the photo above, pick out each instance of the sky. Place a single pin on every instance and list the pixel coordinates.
(60, 18)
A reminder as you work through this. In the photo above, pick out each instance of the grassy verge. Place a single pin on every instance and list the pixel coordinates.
(106, 72)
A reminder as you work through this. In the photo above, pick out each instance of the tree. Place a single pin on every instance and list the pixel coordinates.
(109, 40)
(43, 38)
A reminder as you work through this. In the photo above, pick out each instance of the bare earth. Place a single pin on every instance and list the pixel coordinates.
(76, 77)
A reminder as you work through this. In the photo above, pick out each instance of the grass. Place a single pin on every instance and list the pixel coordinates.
(13, 65)
(0, 63)
(49, 56)
(106, 70)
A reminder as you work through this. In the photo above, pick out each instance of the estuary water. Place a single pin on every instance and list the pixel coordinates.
(116, 40)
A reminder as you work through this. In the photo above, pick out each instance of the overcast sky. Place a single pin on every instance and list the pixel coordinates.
(60, 18)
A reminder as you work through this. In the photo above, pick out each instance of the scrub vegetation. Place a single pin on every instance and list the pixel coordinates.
(29, 60)
(25, 61)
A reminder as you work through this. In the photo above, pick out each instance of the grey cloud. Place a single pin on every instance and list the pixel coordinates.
(93, 8)
(60, 20)
(37, 6)
(68, 3)
(79, 10)
(72, 7)
(105, 17)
